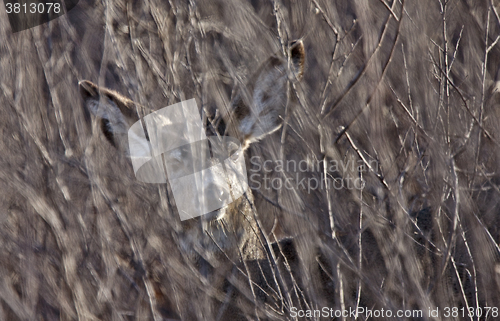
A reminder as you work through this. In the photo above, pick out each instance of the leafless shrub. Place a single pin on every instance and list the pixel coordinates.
(406, 90)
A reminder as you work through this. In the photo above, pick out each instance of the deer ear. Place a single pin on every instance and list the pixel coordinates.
(261, 111)
(297, 58)
(115, 112)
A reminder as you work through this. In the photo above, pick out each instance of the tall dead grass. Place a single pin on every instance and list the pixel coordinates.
(410, 86)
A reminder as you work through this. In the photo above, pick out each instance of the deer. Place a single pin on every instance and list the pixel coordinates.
(256, 111)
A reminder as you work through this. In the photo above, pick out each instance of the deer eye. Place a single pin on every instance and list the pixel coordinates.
(175, 161)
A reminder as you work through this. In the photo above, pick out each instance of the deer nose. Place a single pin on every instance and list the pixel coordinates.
(216, 215)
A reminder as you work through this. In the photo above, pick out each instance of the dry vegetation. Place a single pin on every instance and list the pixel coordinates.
(408, 87)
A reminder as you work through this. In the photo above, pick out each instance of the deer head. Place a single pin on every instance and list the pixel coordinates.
(256, 110)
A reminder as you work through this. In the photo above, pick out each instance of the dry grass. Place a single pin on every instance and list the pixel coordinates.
(408, 87)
